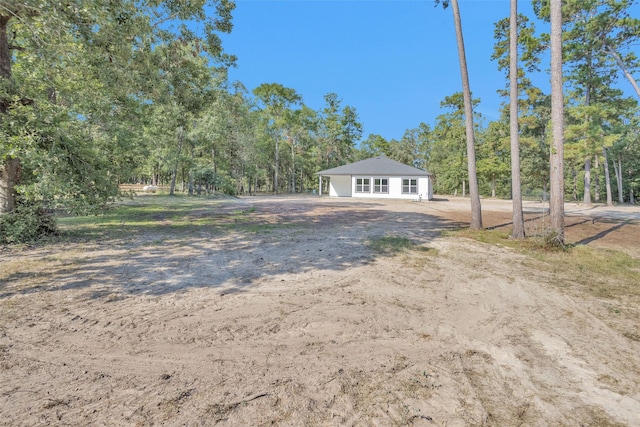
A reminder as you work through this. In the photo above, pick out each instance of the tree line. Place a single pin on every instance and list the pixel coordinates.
(94, 94)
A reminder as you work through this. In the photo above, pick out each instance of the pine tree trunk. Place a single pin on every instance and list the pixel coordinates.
(617, 167)
(556, 201)
(493, 186)
(626, 72)
(607, 179)
(174, 171)
(10, 167)
(190, 185)
(293, 167)
(9, 176)
(5, 52)
(586, 198)
(516, 190)
(172, 185)
(275, 179)
(596, 180)
(574, 178)
(476, 211)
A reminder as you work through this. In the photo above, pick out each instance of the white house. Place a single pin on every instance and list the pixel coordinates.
(378, 177)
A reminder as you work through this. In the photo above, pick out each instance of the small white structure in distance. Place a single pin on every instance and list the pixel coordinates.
(378, 177)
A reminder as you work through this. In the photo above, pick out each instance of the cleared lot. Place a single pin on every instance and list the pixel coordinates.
(283, 310)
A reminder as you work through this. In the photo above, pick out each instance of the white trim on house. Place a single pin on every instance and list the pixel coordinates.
(380, 184)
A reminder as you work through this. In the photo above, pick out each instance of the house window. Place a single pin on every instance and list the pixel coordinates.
(380, 185)
(363, 185)
(409, 186)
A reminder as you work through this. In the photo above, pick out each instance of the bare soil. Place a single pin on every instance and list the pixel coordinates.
(291, 318)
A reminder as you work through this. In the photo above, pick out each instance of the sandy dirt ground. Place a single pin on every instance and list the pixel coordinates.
(292, 319)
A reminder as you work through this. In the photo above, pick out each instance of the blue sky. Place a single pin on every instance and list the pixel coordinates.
(394, 61)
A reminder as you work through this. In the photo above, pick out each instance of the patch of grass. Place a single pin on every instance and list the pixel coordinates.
(418, 257)
(390, 244)
(603, 273)
(608, 379)
(177, 213)
(172, 405)
(632, 336)
(251, 210)
(492, 237)
(613, 310)
(52, 403)
(260, 228)
(541, 243)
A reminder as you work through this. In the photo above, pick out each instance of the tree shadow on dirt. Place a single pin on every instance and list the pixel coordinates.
(233, 246)
(602, 234)
(528, 218)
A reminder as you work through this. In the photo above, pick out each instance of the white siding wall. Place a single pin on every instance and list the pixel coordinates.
(345, 186)
(429, 193)
(395, 188)
(340, 186)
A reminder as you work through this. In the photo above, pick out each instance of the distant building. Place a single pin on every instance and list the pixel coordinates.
(378, 177)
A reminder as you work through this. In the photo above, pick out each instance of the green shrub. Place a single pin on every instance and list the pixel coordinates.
(27, 223)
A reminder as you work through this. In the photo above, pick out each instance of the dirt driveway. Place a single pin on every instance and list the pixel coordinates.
(291, 318)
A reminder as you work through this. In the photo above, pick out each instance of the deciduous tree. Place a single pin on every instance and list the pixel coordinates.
(77, 78)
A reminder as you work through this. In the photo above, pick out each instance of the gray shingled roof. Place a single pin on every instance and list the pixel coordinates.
(375, 166)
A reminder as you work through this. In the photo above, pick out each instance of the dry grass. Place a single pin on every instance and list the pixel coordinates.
(603, 273)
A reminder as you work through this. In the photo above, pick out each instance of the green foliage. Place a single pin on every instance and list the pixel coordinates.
(277, 120)
(412, 148)
(550, 240)
(534, 123)
(625, 153)
(27, 223)
(226, 185)
(448, 154)
(531, 47)
(82, 78)
(276, 99)
(374, 145)
(494, 157)
(338, 131)
(593, 33)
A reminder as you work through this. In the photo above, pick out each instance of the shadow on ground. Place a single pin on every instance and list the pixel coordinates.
(232, 245)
